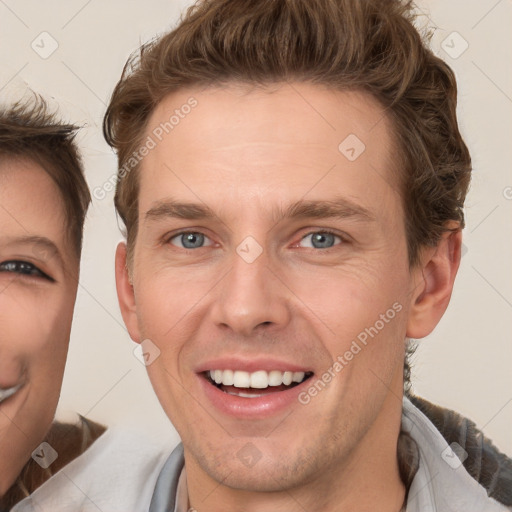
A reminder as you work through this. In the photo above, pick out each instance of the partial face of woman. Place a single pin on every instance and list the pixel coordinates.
(38, 283)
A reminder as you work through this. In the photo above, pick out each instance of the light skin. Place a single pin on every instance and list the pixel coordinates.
(38, 267)
(247, 154)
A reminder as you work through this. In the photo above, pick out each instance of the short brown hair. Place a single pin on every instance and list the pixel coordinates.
(366, 45)
(29, 130)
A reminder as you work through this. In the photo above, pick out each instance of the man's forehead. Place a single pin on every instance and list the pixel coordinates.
(316, 104)
(267, 146)
(263, 122)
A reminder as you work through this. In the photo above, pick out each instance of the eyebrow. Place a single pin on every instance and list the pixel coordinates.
(338, 207)
(39, 244)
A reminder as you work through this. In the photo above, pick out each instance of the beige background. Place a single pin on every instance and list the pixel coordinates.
(465, 364)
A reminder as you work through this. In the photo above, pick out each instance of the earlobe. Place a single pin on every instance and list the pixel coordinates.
(125, 293)
(434, 284)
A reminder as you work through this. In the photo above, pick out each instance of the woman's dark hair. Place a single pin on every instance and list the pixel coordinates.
(29, 131)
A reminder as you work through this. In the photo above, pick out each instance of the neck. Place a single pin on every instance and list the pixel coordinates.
(367, 480)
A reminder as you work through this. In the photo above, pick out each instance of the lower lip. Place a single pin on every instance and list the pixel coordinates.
(251, 408)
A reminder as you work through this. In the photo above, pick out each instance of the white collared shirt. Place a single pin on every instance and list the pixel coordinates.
(117, 473)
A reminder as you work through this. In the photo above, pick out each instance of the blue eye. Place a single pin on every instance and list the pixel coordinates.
(190, 240)
(23, 268)
(322, 239)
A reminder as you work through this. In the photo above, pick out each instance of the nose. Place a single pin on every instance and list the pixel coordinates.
(251, 297)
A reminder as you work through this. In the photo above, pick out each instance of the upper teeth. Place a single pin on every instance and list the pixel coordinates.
(260, 379)
(6, 393)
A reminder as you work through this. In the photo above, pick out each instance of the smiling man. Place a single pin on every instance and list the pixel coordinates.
(291, 179)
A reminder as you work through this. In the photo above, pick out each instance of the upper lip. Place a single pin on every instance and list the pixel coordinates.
(251, 365)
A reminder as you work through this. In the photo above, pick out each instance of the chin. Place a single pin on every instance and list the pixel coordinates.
(248, 466)
(263, 477)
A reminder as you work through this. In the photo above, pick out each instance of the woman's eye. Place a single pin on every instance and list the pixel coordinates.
(321, 240)
(23, 268)
(190, 240)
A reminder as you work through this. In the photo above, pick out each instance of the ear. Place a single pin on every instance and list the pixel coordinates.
(433, 284)
(125, 294)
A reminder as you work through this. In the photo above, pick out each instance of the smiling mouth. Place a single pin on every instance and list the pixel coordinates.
(254, 384)
(8, 392)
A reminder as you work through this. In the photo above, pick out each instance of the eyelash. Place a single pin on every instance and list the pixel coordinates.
(38, 275)
(327, 231)
(343, 239)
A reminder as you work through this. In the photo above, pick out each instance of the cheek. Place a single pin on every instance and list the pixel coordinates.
(33, 332)
(347, 299)
(167, 300)
(363, 313)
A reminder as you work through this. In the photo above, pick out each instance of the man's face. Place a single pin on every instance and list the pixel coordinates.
(261, 292)
(38, 279)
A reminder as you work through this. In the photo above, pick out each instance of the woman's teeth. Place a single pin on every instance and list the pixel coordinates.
(6, 393)
(257, 380)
